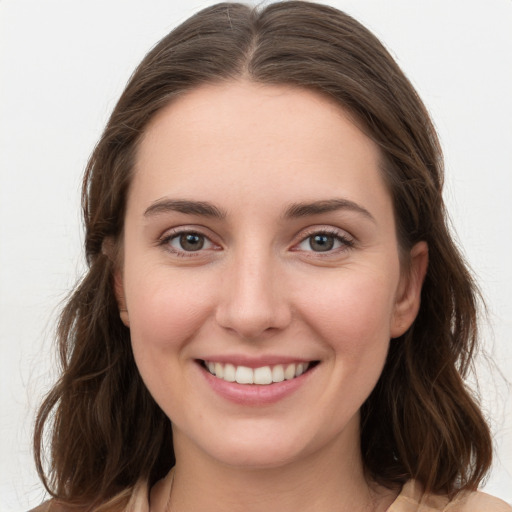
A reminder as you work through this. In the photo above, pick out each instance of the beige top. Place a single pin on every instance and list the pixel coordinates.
(411, 499)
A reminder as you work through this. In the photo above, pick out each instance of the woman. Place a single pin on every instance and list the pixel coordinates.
(274, 315)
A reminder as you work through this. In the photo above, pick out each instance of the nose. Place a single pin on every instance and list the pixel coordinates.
(253, 298)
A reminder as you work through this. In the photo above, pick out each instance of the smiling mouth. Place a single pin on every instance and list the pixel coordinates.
(263, 375)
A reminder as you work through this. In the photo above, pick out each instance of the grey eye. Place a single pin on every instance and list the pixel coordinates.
(188, 242)
(321, 242)
(324, 242)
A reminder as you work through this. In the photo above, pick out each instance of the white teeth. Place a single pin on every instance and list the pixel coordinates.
(229, 373)
(219, 370)
(262, 376)
(289, 373)
(278, 373)
(244, 375)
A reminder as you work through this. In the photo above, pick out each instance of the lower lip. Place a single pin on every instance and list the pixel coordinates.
(255, 394)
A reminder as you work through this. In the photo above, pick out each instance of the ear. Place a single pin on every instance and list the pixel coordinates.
(109, 249)
(121, 301)
(408, 296)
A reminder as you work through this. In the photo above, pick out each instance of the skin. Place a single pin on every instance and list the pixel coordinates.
(258, 288)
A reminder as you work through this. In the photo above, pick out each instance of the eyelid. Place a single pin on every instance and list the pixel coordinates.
(345, 237)
(347, 240)
(170, 234)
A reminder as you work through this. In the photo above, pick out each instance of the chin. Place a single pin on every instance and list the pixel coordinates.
(253, 444)
(255, 457)
(245, 443)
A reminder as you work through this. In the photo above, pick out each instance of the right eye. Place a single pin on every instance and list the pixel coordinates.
(185, 242)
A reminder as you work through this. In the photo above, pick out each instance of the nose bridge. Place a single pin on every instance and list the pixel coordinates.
(253, 299)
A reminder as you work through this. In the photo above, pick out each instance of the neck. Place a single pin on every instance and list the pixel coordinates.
(329, 479)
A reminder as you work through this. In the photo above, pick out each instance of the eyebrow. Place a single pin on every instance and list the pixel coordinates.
(202, 208)
(297, 210)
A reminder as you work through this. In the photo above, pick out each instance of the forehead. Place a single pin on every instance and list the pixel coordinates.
(229, 140)
(224, 113)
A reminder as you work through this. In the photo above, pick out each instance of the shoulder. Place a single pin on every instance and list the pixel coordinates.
(478, 502)
(44, 507)
(131, 499)
(413, 499)
(50, 506)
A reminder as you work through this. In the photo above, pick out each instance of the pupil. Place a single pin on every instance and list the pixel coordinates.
(321, 243)
(191, 242)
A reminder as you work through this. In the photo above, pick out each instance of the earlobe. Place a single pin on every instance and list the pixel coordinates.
(121, 302)
(408, 297)
(109, 249)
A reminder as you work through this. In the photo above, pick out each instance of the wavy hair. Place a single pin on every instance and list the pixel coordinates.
(104, 430)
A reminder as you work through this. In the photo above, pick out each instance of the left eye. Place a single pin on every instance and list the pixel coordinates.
(323, 242)
(189, 242)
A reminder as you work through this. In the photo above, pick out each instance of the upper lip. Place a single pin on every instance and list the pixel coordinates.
(255, 362)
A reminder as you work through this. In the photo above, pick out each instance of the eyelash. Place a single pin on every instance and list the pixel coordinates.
(169, 237)
(345, 241)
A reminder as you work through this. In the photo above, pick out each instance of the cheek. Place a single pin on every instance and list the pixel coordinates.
(165, 313)
(165, 308)
(352, 311)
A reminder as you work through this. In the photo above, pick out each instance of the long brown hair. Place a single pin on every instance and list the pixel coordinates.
(106, 432)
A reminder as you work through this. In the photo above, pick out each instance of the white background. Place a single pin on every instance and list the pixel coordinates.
(63, 64)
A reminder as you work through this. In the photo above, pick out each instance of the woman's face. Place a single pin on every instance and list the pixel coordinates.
(260, 245)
